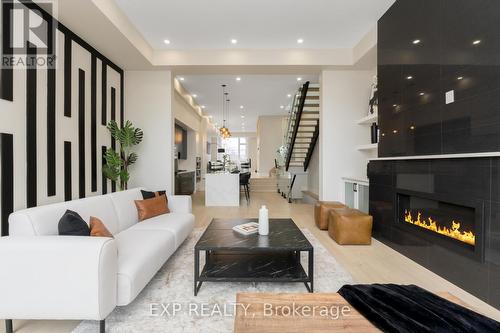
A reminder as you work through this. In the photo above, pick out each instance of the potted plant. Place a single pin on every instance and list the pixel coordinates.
(118, 163)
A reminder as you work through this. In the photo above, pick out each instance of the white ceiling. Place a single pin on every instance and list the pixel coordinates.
(257, 24)
(259, 95)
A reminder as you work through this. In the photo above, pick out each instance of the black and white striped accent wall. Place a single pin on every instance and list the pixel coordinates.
(53, 124)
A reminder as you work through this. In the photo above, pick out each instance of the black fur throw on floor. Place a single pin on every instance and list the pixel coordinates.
(398, 308)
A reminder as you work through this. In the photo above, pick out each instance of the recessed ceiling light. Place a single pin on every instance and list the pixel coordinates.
(181, 78)
(241, 106)
(203, 106)
(412, 127)
(234, 41)
(476, 42)
(194, 95)
(166, 41)
(238, 78)
(395, 131)
(289, 95)
(242, 116)
(300, 41)
(299, 79)
(395, 105)
(282, 106)
(416, 41)
(460, 78)
(422, 94)
(409, 77)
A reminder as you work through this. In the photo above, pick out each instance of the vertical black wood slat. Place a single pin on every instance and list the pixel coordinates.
(122, 104)
(67, 74)
(6, 77)
(31, 158)
(93, 123)
(104, 94)
(113, 113)
(51, 131)
(68, 188)
(113, 117)
(104, 179)
(6, 180)
(81, 133)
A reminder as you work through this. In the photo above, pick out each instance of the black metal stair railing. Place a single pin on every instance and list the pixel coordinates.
(310, 150)
(298, 116)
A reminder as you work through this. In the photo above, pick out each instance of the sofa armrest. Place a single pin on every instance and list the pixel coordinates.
(180, 204)
(57, 277)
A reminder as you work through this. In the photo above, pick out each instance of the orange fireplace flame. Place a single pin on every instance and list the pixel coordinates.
(432, 225)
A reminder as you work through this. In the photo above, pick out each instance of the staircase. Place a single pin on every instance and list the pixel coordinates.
(263, 184)
(303, 127)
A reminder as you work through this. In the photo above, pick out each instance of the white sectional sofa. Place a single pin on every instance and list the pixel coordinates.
(46, 276)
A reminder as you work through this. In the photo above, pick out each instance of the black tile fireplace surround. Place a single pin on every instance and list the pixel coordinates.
(466, 191)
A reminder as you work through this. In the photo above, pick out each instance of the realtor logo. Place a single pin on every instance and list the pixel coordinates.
(29, 34)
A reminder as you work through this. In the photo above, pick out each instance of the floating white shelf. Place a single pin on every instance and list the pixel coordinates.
(371, 146)
(368, 120)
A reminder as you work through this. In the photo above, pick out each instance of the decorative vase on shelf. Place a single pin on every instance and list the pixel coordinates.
(263, 221)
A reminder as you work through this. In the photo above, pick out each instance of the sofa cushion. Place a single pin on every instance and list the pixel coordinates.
(141, 253)
(43, 220)
(179, 224)
(72, 224)
(123, 203)
(98, 229)
(149, 194)
(149, 208)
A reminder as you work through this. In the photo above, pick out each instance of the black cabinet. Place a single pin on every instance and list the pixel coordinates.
(425, 49)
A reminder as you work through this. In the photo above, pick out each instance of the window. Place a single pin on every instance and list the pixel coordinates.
(237, 149)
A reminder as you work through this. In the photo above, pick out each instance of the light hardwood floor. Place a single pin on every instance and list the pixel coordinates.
(376, 263)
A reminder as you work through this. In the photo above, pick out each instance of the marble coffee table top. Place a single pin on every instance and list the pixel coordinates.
(284, 235)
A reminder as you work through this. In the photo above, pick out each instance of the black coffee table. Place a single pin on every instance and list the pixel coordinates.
(232, 257)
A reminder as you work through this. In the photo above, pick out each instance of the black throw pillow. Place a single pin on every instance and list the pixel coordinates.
(149, 195)
(72, 224)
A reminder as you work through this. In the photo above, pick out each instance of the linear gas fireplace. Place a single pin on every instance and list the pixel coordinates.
(455, 225)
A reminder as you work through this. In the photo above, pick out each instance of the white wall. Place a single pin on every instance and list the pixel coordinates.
(344, 100)
(313, 171)
(269, 139)
(148, 102)
(184, 112)
(252, 151)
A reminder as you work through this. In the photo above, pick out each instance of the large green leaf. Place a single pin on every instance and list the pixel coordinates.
(132, 158)
(113, 164)
(124, 176)
(138, 136)
(114, 129)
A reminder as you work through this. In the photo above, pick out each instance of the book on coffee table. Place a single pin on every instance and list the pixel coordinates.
(247, 228)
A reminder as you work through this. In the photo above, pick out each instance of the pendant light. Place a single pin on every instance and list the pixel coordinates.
(224, 131)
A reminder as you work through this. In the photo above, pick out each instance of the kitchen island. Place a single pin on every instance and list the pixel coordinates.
(222, 189)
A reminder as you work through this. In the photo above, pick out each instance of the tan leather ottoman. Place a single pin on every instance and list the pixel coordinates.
(321, 210)
(350, 227)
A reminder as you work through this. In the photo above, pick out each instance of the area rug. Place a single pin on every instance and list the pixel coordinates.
(167, 303)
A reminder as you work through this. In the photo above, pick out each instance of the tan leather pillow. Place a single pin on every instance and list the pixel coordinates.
(98, 229)
(149, 208)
